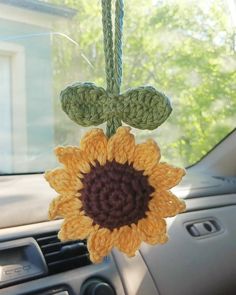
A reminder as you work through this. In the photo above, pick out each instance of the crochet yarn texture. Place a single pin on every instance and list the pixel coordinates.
(142, 107)
(110, 189)
(113, 192)
(88, 105)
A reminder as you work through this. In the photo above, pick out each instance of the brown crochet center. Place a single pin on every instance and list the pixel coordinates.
(115, 194)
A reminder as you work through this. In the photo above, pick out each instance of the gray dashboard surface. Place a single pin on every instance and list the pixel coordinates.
(185, 265)
(195, 185)
(72, 279)
(24, 199)
(197, 266)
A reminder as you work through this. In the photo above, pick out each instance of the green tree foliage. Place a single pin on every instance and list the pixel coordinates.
(183, 48)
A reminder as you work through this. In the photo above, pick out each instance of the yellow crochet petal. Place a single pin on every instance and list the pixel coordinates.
(100, 244)
(75, 227)
(150, 228)
(128, 240)
(64, 206)
(158, 239)
(66, 155)
(164, 176)
(121, 146)
(73, 158)
(94, 143)
(63, 181)
(146, 155)
(166, 204)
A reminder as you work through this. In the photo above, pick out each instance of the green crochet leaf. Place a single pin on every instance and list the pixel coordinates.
(83, 103)
(143, 107)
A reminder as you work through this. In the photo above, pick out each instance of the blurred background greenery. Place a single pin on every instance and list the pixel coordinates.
(184, 48)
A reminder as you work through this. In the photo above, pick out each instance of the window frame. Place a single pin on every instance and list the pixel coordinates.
(18, 103)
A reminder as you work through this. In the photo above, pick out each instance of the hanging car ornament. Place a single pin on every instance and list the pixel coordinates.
(113, 192)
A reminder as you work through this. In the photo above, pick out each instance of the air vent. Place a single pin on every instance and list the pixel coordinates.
(62, 256)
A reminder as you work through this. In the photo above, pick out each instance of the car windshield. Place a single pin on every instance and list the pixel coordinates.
(186, 49)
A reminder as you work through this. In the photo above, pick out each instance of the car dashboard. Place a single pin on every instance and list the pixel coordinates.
(198, 259)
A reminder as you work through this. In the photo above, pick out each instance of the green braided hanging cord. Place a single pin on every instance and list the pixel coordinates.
(113, 58)
(108, 43)
(118, 46)
(88, 105)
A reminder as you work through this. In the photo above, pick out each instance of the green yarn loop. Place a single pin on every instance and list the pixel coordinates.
(108, 43)
(142, 107)
(118, 46)
(113, 53)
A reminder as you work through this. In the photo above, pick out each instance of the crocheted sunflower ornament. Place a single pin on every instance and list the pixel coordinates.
(113, 192)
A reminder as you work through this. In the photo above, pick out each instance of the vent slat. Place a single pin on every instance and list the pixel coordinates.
(48, 240)
(66, 253)
(54, 246)
(72, 259)
(62, 256)
(70, 263)
(54, 236)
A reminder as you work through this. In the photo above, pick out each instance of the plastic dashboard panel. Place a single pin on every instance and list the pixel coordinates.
(70, 280)
(128, 276)
(196, 265)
